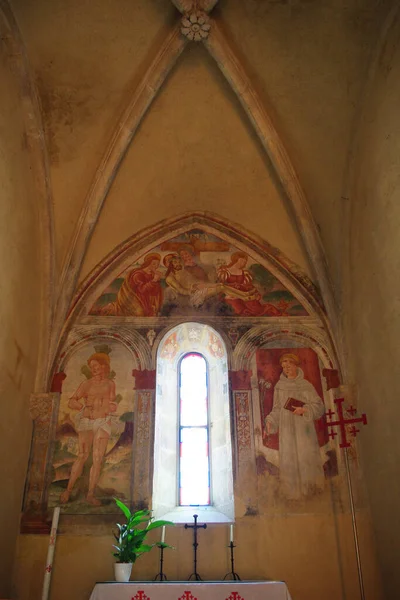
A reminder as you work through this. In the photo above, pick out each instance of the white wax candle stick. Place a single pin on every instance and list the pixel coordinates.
(231, 533)
(50, 554)
(163, 535)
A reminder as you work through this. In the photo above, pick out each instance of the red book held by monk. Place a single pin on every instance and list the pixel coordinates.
(292, 403)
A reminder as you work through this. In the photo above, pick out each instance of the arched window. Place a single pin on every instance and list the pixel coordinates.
(192, 440)
(194, 457)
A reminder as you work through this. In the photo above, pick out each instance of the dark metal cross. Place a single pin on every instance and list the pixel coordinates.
(342, 422)
(195, 527)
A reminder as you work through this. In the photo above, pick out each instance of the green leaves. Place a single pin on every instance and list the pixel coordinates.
(156, 524)
(131, 535)
(124, 508)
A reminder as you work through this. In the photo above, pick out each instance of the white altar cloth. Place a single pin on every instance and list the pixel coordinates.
(191, 590)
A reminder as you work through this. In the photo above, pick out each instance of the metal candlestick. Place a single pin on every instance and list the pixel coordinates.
(161, 576)
(195, 527)
(232, 574)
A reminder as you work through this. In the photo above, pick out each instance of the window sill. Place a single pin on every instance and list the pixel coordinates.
(206, 514)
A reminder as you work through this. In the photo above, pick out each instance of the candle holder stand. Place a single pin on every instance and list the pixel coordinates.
(161, 576)
(232, 574)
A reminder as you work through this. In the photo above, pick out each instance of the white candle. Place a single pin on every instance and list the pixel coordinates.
(163, 535)
(231, 533)
(50, 554)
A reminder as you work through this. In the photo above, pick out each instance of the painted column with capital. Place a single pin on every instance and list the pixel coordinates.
(145, 386)
(246, 480)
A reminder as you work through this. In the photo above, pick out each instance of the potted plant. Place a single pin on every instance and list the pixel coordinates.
(130, 539)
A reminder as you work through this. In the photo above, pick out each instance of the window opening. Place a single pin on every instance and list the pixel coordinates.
(192, 429)
(194, 457)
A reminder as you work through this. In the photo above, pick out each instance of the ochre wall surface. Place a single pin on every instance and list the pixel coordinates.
(374, 296)
(195, 150)
(19, 308)
(86, 58)
(267, 548)
(308, 61)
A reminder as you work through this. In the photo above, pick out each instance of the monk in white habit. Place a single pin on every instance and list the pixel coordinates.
(295, 408)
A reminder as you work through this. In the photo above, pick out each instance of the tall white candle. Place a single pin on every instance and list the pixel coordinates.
(50, 554)
(163, 535)
(231, 533)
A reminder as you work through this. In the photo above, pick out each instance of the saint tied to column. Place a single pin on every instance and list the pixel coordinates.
(296, 405)
(95, 402)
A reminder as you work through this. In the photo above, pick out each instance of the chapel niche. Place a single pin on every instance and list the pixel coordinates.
(194, 284)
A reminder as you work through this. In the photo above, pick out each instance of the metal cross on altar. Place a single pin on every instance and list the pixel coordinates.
(342, 422)
(195, 527)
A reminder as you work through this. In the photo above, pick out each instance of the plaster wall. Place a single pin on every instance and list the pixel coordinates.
(267, 548)
(308, 59)
(87, 57)
(195, 150)
(374, 297)
(19, 308)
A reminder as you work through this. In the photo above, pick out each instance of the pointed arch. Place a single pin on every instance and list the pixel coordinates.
(232, 68)
(145, 240)
(127, 253)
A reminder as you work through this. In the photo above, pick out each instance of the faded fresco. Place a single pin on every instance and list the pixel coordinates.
(93, 448)
(295, 444)
(197, 273)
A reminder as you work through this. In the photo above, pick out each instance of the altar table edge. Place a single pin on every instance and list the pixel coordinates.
(191, 590)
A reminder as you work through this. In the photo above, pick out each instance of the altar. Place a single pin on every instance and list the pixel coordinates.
(191, 590)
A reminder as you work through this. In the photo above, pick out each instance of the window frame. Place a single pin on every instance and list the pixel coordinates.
(207, 427)
(183, 339)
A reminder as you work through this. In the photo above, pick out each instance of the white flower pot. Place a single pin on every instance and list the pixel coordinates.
(122, 571)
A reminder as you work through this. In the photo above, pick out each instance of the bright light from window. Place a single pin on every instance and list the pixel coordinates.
(194, 464)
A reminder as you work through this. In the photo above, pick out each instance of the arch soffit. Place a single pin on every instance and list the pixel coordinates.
(233, 70)
(264, 336)
(165, 333)
(127, 337)
(297, 282)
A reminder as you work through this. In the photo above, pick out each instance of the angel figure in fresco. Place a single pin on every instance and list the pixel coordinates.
(140, 294)
(95, 402)
(296, 406)
(240, 292)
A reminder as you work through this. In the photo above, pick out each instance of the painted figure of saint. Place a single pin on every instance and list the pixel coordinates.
(296, 406)
(140, 294)
(240, 292)
(95, 402)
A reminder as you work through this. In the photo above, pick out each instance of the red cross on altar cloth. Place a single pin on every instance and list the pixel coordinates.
(187, 596)
(191, 590)
(140, 596)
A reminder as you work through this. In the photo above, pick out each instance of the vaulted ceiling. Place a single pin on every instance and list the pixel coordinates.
(255, 123)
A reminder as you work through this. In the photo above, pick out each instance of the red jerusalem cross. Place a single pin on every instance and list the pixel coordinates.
(140, 596)
(235, 596)
(342, 422)
(187, 596)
